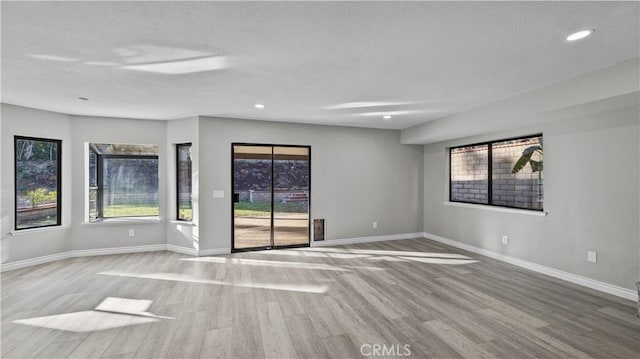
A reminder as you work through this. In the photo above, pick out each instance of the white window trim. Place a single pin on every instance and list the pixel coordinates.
(124, 220)
(497, 208)
(184, 223)
(20, 232)
(487, 207)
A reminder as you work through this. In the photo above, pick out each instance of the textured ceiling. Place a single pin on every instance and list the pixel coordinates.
(328, 63)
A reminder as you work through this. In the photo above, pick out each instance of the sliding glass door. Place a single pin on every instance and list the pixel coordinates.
(291, 196)
(252, 171)
(271, 196)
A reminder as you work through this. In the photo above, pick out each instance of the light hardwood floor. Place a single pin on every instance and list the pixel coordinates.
(307, 303)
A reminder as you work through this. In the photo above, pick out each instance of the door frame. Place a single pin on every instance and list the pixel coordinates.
(233, 217)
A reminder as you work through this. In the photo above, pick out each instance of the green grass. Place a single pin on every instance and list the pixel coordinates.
(242, 209)
(248, 209)
(186, 213)
(40, 222)
(131, 210)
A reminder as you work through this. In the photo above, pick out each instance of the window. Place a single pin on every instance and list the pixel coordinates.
(470, 174)
(38, 197)
(185, 211)
(507, 173)
(123, 181)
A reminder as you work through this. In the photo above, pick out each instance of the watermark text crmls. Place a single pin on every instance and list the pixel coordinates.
(385, 350)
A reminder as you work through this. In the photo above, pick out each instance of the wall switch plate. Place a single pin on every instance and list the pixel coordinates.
(218, 194)
(375, 225)
(505, 240)
(132, 233)
(592, 256)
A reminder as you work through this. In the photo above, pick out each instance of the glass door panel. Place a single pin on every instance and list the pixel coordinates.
(271, 187)
(291, 196)
(252, 179)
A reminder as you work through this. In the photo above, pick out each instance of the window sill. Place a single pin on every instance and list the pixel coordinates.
(498, 209)
(125, 220)
(37, 230)
(184, 223)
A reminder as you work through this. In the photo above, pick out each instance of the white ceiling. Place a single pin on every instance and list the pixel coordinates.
(327, 63)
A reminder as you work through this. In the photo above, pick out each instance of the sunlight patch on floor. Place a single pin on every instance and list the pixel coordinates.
(177, 277)
(383, 252)
(87, 321)
(452, 261)
(267, 263)
(315, 254)
(110, 313)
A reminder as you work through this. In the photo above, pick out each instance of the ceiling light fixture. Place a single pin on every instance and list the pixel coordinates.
(580, 35)
(387, 117)
(258, 105)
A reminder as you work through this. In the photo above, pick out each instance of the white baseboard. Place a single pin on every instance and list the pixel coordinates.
(117, 250)
(552, 272)
(214, 252)
(80, 253)
(114, 250)
(182, 250)
(388, 237)
(197, 252)
(34, 261)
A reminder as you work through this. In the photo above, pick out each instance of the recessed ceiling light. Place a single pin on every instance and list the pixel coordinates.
(258, 105)
(580, 35)
(83, 98)
(386, 117)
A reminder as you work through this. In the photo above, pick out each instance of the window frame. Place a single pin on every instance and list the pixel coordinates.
(100, 184)
(178, 146)
(58, 143)
(489, 145)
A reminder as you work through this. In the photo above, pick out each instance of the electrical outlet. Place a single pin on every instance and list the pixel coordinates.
(505, 240)
(375, 225)
(132, 233)
(218, 194)
(592, 256)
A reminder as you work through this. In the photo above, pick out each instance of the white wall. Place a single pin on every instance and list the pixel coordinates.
(111, 130)
(531, 107)
(357, 176)
(590, 126)
(74, 132)
(591, 195)
(179, 233)
(24, 121)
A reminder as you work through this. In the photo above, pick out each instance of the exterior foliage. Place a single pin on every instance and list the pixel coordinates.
(40, 196)
(527, 154)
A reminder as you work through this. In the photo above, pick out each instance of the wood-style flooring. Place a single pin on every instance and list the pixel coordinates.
(406, 298)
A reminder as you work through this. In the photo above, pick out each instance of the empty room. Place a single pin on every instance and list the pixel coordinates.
(320, 179)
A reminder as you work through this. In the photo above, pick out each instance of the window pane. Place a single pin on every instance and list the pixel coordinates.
(37, 183)
(93, 185)
(130, 187)
(469, 174)
(522, 189)
(185, 211)
(124, 149)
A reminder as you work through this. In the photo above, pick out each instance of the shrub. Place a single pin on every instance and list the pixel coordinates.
(40, 196)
